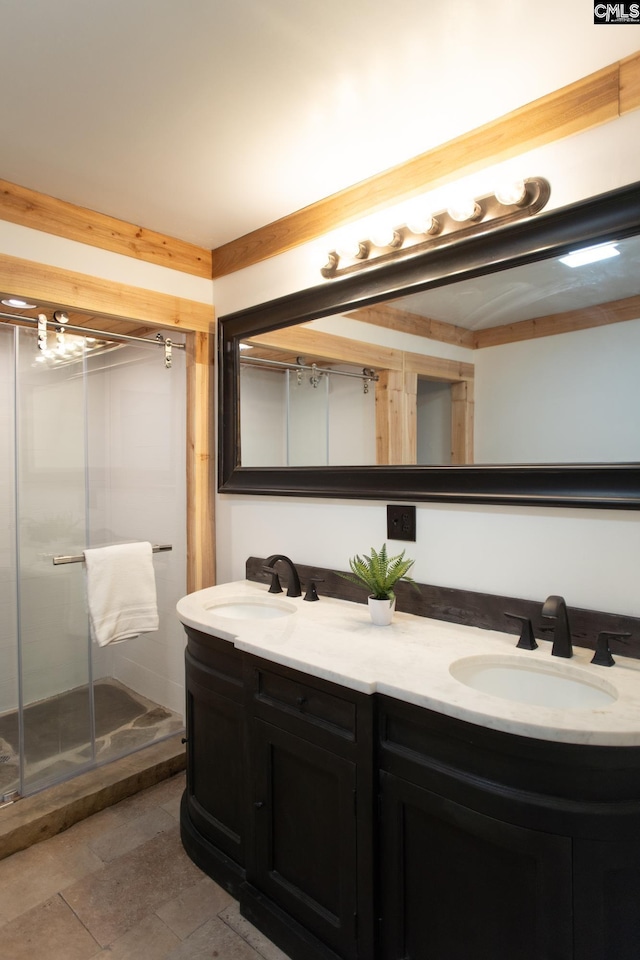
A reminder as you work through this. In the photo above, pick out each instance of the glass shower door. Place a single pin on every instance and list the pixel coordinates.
(307, 419)
(56, 734)
(9, 727)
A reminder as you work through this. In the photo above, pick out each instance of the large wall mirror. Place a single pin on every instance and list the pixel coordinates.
(486, 370)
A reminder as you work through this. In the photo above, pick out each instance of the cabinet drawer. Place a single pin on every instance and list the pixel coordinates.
(308, 702)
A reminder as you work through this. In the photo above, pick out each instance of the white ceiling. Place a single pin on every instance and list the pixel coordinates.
(206, 119)
(538, 289)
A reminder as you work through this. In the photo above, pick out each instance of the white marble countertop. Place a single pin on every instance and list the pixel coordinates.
(411, 659)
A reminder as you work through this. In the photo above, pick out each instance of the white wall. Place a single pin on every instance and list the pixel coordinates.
(589, 556)
(559, 398)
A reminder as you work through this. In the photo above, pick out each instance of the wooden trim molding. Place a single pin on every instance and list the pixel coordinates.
(630, 83)
(304, 340)
(383, 315)
(83, 292)
(589, 102)
(584, 318)
(200, 462)
(30, 209)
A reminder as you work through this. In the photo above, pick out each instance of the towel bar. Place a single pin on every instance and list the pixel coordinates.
(156, 548)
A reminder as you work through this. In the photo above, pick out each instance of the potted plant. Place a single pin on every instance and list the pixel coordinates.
(379, 573)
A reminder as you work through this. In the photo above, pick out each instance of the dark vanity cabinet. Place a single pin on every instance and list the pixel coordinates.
(458, 881)
(278, 805)
(311, 795)
(497, 845)
(213, 819)
(366, 828)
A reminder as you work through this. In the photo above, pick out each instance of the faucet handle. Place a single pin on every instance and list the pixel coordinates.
(602, 656)
(527, 640)
(311, 592)
(275, 580)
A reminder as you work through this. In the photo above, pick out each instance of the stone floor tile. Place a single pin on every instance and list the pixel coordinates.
(263, 947)
(114, 843)
(32, 876)
(149, 940)
(49, 930)
(214, 941)
(171, 795)
(119, 896)
(200, 903)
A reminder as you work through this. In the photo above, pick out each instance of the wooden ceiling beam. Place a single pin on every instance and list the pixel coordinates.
(384, 315)
(106, 298)
(40, 212)
(584, 318)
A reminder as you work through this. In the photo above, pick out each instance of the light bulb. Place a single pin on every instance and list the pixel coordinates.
(464, 208)
(383, 235)
(422, 222)
(512, 194)
(350, 247)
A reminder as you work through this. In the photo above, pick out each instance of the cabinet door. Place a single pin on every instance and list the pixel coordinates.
(305, 833)
(216, 762)
(458, 885)
(607, 912)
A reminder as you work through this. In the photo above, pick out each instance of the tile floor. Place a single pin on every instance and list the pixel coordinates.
(119, 884)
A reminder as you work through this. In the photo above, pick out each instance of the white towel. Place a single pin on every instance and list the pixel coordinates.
(121, 592)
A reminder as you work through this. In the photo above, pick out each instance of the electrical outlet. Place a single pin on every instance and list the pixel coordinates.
(401, 522)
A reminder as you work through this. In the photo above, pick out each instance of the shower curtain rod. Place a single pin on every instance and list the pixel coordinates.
(158, 340)
(365, 375)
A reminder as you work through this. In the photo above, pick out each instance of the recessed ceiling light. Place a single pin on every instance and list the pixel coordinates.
(579, 258)
(21, 304)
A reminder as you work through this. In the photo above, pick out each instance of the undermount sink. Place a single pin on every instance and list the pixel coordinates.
(251, 608)
(526, 681)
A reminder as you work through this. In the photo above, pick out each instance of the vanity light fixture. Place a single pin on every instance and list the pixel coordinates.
(423, 230)
(580, 258)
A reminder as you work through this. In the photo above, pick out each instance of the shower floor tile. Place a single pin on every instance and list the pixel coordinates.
(76, 897)
(57, 738)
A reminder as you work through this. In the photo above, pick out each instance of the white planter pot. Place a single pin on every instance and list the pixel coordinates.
(381, 611)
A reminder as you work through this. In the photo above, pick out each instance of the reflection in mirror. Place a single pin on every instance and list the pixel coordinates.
(300, 411)
(531, 365)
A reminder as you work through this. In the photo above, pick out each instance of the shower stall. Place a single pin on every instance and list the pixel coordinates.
(92, 452)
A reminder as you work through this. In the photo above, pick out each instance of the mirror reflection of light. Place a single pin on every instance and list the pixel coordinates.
(601, 251)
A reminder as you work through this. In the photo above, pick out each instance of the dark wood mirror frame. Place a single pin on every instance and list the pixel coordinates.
(609, 216)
